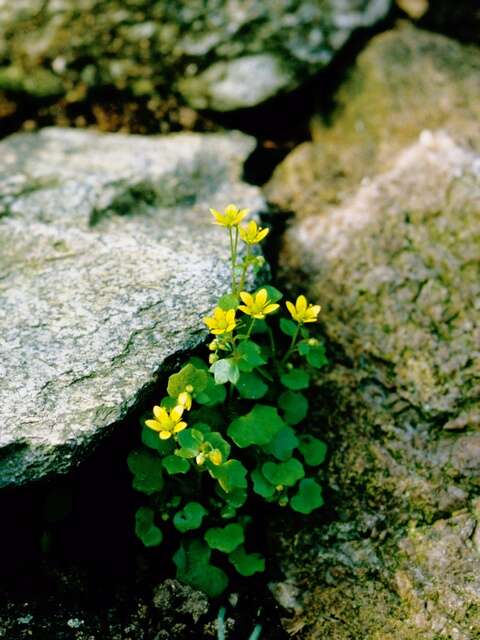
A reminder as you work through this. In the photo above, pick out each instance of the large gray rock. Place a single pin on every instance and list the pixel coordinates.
(108, 263)
(406, 80)
(221, 54)
(396, 269)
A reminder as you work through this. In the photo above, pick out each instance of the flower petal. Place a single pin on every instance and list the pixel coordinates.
(270, 308)
(179, 427)
(160, 413)
(246, 297)
(165, 435)
(261, 297)
(301, 304)
(153, 424)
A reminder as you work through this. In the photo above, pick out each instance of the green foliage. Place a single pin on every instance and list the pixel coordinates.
(194, 568)
(308, 497)
(294, 406)
(145, 528)
(295, 379)
(247, 563)
(190, 517)
(226, 539)
(312, 450)
(225, 370)
(258, 427)
(233, 430)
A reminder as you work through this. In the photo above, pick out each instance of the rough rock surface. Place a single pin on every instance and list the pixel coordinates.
(222, 54)
(396, 268)
(108, 262)
(405, 81)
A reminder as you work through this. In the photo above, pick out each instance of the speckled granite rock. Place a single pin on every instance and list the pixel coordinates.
(222, 54)
(108, 262)
(405, 81)
(396, 269)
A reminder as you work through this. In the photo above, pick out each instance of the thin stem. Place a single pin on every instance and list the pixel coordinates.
(292, 345)
(273, 348)
(272, 341)
(233, 258)
(256, 632)
(235, 248)
(250, 328)
(221, 624)
(245, 267)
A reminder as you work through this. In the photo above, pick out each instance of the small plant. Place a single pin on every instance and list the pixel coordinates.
(227, 434)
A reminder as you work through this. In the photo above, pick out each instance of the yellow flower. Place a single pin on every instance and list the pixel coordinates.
(165, 422)
(251, 233)
(302, 311)
(215, 457)
(231, 217)
(221, 321)
(258, 305)
(185, 400)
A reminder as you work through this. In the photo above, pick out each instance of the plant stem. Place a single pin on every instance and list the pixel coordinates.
(292, 345)
(245, 267)
(221, 624)
(250, 328)
(233, 258)
(256, 632)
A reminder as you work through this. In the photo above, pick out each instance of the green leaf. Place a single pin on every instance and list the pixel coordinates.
(194, 568)
(207, 415)
(294, 406)
(212, 394)
(190, 517)
(315, 353)
(235, 498)
(274, 295)
(225, 539)
(168, 403)
(145, 528)
(245, 563)
(198, 363)
(147, 471)
(189, 441)
(308, 497)
(288, 327)
(259, 426)
(251, 386)
(316, 357)
(151, 440)
(228, 301)
(282, 444)
(251, 356)
(175, 464)
(218, 442)
(295, 379)
(313, 450)
(261, 485)
(283, 473)
(225, 370)
(188, 375)
(231, 475)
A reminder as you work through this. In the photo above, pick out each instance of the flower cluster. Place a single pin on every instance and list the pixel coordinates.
(245, 433)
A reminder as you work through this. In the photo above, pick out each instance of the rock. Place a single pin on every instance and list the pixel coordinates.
(109, 261)
(221, 54)
(405, 81)
(396, 269)
(176, 600)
